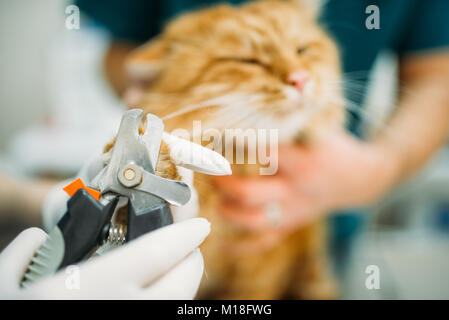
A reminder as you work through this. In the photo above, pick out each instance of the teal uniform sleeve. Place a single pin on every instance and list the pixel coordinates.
(428, 29)
(139, 20)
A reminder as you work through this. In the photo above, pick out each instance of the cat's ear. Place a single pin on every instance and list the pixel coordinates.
(312, 6)
(147, 61)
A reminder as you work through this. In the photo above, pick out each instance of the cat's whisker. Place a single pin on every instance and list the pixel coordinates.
(346, 85)
(372, 117)
(252, 118)
(227, 116)
(214, 102)
(228, 106)
(224, 114)
(382, 124)
(359, 73)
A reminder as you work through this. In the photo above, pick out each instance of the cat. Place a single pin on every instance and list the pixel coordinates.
(264, 64)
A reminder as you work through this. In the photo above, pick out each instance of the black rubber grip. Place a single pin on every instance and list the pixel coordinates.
(155, 218)
(83, 226)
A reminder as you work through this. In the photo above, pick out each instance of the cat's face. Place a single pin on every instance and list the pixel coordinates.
(262, 65)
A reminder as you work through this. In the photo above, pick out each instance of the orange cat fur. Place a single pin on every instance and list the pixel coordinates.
(234, 62)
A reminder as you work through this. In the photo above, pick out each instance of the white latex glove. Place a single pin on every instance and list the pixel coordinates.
(55, 203)
(163, 264)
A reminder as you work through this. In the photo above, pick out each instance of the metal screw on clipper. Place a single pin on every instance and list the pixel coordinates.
(130, 175)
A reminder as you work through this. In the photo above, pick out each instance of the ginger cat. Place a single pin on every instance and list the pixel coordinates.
(265, 64)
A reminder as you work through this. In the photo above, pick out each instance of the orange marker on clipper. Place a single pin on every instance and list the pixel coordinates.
(74, 186)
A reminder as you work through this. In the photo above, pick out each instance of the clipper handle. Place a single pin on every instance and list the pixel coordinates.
(84, 226)
(147, 221)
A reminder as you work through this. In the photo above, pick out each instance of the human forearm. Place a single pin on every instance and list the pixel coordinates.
(420, 125)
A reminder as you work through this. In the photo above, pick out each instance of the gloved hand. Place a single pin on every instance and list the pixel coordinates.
(166, 258)
(187, 156)
(163, 264)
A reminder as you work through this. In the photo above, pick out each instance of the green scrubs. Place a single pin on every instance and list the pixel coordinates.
(406, 26)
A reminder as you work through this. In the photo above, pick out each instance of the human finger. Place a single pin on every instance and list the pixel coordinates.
(181, 282)
(148, 257)
(16, 257)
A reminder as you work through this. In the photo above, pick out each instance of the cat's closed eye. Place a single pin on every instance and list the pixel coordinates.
(301, 50)
(256, 62)
(253, 61)
(249, 60)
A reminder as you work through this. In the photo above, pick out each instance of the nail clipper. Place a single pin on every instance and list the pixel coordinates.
(130, 173)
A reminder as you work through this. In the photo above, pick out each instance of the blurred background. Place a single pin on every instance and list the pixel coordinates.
(53, 97)
(53, 101)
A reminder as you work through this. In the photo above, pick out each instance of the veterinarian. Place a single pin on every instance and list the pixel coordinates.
(349, 170)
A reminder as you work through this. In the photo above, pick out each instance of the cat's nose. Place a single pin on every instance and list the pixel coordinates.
(298, 79)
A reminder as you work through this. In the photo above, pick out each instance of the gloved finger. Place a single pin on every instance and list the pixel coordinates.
(181, 282)
(17, 255)
(93, 166)
(148, 257)
(193, 156)
(55, 205)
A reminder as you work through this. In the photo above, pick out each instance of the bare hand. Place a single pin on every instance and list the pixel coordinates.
(339, 172)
